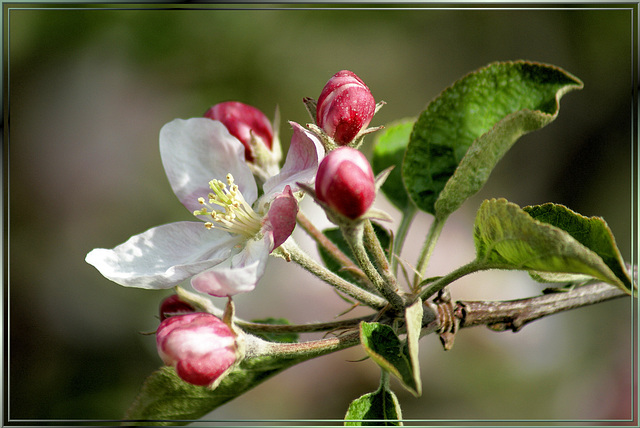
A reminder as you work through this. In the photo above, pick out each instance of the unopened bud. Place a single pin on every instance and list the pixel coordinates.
(345, 182)
(345, 107)
(243, 122)
(199, 345)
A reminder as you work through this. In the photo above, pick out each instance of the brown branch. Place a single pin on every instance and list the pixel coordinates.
(515, 314)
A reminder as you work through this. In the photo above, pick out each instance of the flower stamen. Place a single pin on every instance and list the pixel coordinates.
(237, 216)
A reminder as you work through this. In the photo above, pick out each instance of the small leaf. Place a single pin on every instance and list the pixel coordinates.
(457, 141)
(336, 237)
(592, 232)
(384, 347)
(379, 408)
(388, 150)
(507, 237)
(165, 399)
(276, 337)
(413, 320)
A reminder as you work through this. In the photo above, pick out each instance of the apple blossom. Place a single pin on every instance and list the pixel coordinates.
(345, 182)
(199, 345)
(345, 107)
(226, 252)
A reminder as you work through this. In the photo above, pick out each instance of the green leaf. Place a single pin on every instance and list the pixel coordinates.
(508, 237)
(276, 337)
(465, 131)
(592, 232)
(390, 146)
(379, 408)
(336, 237)
(165, 399)
(384, 347)
(413, 321)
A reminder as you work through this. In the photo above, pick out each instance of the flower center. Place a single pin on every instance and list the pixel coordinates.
(236, 215)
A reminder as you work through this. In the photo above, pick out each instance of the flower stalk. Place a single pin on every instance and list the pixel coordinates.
(353, 234)
(291, 250)
(429, 245)
(333, 250)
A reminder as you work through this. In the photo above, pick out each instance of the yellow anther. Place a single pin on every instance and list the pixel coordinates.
(236, 215)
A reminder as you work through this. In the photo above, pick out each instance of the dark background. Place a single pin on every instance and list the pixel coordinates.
(89, 89)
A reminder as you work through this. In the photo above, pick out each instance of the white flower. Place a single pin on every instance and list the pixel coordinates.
(226, 252)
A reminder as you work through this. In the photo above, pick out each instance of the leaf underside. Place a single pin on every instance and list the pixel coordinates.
(509, 237)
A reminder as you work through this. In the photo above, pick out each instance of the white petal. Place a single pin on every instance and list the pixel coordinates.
(197, 150)
(163, 256)
(304, 156)
(246, 269)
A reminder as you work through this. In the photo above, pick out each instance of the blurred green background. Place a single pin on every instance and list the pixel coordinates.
(90, 88)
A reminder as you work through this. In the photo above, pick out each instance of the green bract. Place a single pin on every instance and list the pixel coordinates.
(465, 131)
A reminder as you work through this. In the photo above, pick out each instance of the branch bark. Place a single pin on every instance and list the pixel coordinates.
(515, 314)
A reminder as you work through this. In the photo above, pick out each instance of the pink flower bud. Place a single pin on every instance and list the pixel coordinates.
(243, 121)
(345, 182)
(345, 107)
(172, 305)
(199, 345)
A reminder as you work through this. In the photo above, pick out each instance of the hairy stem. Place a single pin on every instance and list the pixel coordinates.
(290, 249)
(429, 245)
(314, 348)
(304, 328)
(437, 285)
(332, 249)
(354, 237)
(372, 243)
(401, 235)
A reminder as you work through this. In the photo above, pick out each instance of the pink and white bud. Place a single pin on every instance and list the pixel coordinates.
(173, 305)
(345, 107)
(345, 182)
(199, 345)
(243, 122)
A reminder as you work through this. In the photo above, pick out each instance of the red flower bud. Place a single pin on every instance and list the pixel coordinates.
(172, 305)
(200, 346)
(243, 121)
(345, 182)
(345, 107)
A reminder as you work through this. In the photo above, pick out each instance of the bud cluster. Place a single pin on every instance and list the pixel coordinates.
(201, 346)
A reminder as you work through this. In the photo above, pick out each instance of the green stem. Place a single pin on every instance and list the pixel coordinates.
(401, 235)
(429, 245)
(354, 237)
(437, 285)
(290, 250)
(313, 348)
(384, 380)
(304, 328)
(332, 249)
(372, 243)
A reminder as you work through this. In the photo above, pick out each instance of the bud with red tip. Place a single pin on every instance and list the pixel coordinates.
(345, 182)
(199, 345)
(243, 122)
(345, 107)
